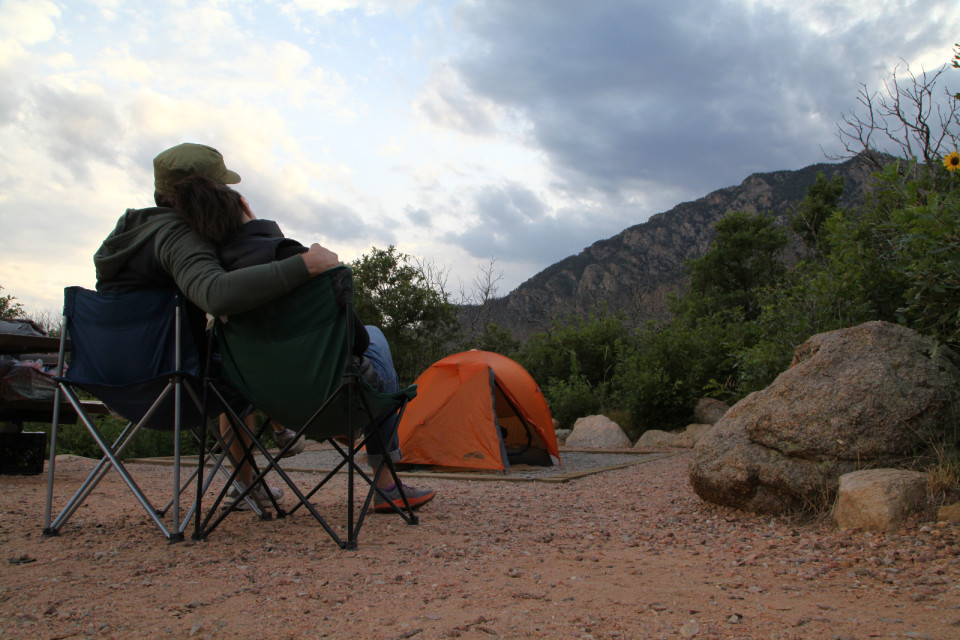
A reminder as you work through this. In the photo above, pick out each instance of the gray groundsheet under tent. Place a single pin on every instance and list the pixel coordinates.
(576, 464)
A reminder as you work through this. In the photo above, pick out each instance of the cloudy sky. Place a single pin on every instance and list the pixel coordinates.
(461, 131)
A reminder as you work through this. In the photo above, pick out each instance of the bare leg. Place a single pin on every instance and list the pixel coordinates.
(237, 445)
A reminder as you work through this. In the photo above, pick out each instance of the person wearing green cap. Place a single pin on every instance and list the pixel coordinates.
(220, 214)
(155, 247)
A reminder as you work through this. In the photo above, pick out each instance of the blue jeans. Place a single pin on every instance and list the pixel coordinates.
(379, 355)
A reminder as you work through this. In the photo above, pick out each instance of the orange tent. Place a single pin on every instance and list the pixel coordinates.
(477, 410)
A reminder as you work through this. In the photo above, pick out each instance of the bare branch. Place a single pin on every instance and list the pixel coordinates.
(908, 119)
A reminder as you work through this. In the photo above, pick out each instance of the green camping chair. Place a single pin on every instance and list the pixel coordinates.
(292, 360)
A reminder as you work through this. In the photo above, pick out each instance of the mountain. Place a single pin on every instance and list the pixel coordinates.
(635, 270)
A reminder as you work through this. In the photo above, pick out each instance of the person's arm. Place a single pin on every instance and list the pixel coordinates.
(194, 265)
(319, 259)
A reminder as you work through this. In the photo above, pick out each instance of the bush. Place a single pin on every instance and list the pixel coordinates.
(652, 397)
(572, 399)
(588, 347)
(75, 439)
(673, 365)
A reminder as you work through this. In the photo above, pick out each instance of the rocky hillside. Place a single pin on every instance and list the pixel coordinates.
(635, 270)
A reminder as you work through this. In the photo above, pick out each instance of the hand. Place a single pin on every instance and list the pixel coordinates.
(319, 259)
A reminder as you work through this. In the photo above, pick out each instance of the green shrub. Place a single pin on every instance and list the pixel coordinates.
(653, 398)
(572, 399)
(75, 439)
(588, 347)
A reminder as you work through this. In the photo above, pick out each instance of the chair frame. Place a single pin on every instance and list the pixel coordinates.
(178, 383)
(357, 391)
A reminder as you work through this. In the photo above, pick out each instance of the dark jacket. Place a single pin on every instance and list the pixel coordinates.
(261, 241)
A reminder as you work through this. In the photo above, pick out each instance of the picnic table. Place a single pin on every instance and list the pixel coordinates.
(46, 348)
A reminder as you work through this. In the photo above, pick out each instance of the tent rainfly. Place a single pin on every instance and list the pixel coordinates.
(477, 410)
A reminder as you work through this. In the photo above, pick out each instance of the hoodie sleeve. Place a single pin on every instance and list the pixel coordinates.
(194, 265)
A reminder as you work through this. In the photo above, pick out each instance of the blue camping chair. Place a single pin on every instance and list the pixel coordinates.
(138, 353)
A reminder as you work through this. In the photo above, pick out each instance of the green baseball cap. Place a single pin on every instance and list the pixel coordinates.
(183, 160)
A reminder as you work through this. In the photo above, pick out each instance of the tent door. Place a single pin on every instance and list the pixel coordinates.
(519, 441)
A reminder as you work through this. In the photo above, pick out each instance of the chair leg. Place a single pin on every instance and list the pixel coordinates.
(111, 459)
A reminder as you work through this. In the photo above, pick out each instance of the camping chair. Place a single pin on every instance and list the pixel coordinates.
(138, 354)
(292, 360)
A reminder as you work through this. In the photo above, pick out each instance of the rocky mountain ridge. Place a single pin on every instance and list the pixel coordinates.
(635, 270)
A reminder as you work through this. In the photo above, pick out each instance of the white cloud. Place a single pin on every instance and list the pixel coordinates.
(286, 73)
(369, 7)
(392, 148)
(447, 102)
(121, 66)
(108, 8)
(460, 129)
(28, 21)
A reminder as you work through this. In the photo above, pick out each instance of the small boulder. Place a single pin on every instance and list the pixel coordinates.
(562, 435)
(949, 513)
(878, 499)
(597, 432)
(709, 410)
(655, 438)
(689, 436)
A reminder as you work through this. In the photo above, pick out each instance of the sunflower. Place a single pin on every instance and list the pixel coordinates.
(952, 161)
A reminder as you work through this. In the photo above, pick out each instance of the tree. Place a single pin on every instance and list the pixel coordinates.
(9, 307)
(417, 319)
(493, 338)
(476, 305)
(895, 258)
(743, 258)
(956, 64)
(818, 204)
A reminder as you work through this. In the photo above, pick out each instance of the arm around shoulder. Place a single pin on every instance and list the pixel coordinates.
(196, 268)
(319, 259)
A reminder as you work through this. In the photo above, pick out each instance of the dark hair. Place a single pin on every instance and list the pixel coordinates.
(213, 210)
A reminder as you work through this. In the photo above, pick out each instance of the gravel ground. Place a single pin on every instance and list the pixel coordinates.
(629, 553)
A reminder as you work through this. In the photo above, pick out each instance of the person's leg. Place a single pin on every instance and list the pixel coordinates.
(237, 444)
(379, 355)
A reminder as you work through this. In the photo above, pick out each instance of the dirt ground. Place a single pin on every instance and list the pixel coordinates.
(632, 553)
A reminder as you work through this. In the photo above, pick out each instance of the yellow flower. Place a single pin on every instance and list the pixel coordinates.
(952, 161)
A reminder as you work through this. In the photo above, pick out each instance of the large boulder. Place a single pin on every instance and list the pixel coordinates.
(875, 394)
(597, 432)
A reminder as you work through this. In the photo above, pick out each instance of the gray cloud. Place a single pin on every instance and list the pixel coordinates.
(513, 225)
(639, 105)
(683, 94)
(308, 218)
(82, 128)
(10, 98)
(419, 217)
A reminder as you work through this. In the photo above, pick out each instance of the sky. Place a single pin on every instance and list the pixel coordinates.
(473, 135)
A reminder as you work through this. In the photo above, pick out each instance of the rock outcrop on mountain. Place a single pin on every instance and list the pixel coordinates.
(635, 270)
